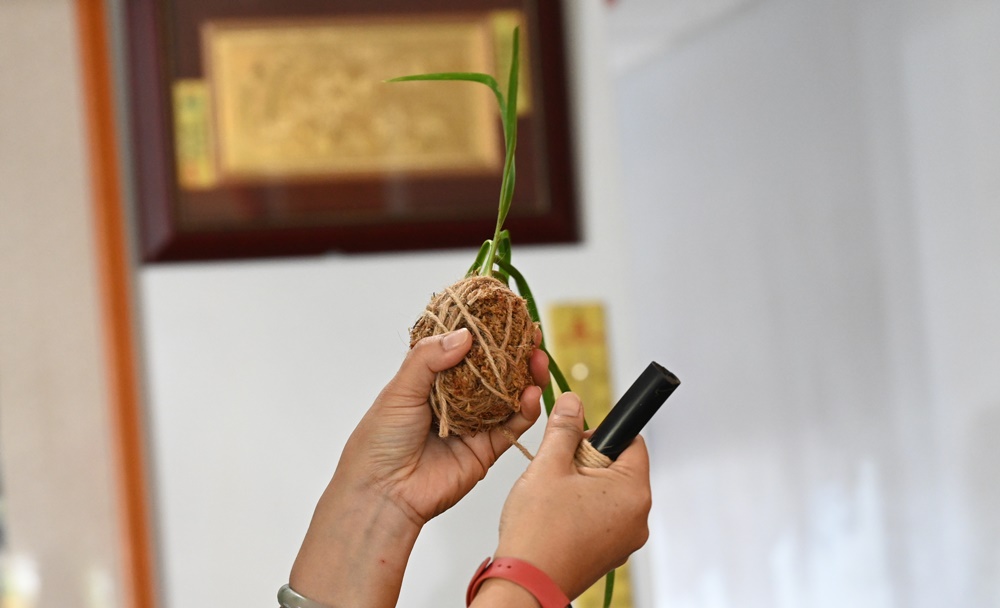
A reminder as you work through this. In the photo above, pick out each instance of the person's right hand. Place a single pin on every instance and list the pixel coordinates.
(576, 524)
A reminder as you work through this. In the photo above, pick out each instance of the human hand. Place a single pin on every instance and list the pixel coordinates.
(395, 473)
(576, 524)
(395, 449)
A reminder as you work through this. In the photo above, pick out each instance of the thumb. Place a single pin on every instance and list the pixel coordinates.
(429, 356)
(563, 433)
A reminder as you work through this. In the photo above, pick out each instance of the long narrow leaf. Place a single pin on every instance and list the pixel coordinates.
(483, 250)
(485, 79)
(509, 112)
(529, 298)
(512, 82)
(504, 253)
(548, 398)
(609, 588)
(557, 374)
(510, 120)
(560, 381)
(524, 290)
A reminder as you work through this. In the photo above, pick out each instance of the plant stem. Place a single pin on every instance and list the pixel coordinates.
(487, 268)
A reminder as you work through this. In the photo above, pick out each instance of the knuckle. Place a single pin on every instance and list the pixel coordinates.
(422, 345)
(646, 504)
(642, 537)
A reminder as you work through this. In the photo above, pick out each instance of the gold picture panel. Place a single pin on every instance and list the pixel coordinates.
(308, 99)
(264, 129)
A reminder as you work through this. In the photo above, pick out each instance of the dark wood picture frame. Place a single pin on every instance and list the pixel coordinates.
(283, 217)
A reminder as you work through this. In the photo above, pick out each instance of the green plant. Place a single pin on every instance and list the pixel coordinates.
(494, 257)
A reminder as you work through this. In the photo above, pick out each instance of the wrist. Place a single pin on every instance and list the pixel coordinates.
(535, 582)
(560, 567)
(356, 548)
(289, 598)
(501, 592)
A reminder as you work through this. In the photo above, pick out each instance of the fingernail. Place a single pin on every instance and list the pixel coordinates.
(454, 339)
(567, 405)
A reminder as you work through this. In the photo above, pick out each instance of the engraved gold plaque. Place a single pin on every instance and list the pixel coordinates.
(307, 99)
(579, 344)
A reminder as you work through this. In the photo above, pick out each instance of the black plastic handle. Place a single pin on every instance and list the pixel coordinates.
(634, 410)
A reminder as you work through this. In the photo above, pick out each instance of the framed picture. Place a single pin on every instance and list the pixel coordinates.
(266, 128)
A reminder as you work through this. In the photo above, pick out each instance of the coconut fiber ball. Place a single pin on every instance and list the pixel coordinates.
(484, 390)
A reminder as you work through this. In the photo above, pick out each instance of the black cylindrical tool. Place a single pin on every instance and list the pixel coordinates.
(634, 410)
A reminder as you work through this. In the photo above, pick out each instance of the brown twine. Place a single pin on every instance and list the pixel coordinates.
(509, 434)
(484, 391)
(587, 456)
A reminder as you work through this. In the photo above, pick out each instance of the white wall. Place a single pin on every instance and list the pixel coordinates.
(259, 371)
(60, 518)
(815, 184)
(951, 79)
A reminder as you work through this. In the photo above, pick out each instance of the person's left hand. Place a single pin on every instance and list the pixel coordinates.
(395, 449)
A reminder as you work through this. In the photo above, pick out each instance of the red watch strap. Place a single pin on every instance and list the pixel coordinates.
(548, 594)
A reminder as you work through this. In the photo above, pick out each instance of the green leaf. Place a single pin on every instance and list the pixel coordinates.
(483, 250)
(525, 291)
(510, 120)
(504, 253)
(548, 396)
(557, 374)
(609, 588)
(508, 117)
(485, 79)
(509, 111)
(504, 250)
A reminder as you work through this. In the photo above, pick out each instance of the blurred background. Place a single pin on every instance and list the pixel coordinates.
(792, 204)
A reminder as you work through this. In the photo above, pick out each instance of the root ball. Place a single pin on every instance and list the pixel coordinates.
(484, 390)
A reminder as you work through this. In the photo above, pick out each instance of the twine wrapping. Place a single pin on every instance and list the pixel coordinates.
(484, 390)
(587, 456)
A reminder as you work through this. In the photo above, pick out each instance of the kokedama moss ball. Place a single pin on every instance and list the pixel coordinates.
(484, 390)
